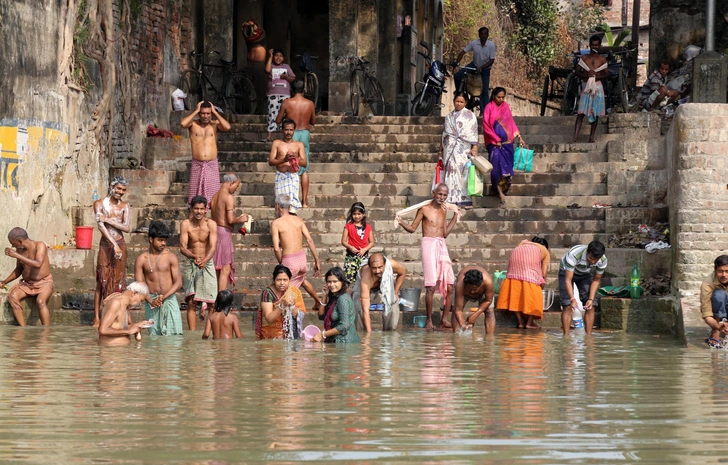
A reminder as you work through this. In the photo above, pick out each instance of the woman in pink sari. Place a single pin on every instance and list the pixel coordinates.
(499, 133)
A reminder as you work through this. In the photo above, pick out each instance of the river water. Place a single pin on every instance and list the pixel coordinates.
(409, 397)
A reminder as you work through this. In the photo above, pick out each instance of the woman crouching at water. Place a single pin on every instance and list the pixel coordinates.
(281, 310)
(221, 324)
(339, 312)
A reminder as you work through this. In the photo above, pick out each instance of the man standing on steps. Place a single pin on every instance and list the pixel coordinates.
(303, 112)
(483, 59)
(288, 232)
(436, 263)
(204, 173)
(198, 243)
(576, 268)
(33, 266)
(159, 269)
(114, 219)
(223, 214)
(377, 276)
(591, 69)
(288, 156)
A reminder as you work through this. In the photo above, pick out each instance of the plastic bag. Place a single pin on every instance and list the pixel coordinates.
(475, 182)
(178, 100)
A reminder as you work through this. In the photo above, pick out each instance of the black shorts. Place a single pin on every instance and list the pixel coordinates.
(582, 281)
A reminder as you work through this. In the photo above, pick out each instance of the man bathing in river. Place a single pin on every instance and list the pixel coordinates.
(221, 324)
(114, 219)
(714, 302)
(436, 263)
(116, 326)
(288, 156)
(288, 232)
(159, 268)
(377, 276)
(474, 284)
(303, 112)
(33, 266)
(205, 171)
(197, 243)
(223, 213)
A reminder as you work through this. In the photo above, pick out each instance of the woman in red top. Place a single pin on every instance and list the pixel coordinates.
(358, 239)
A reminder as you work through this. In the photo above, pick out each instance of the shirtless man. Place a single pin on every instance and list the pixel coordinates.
(114, 219)
(204, 173)
(592, 69)
(287, 156)
(474, 284)
(116, 327)
(33, 265)
(221, 324)
(303, 112)
(288, 232)
(159, 268)
(198, 242)
(223, 213)
(369, 282)
(436, 263)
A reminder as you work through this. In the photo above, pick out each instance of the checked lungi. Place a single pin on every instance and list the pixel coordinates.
(204, 179)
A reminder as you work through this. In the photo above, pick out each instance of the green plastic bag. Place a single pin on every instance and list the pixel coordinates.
(498, 278)
(524, 159)
(475, 182)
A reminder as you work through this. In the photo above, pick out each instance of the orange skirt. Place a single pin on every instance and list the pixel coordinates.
(521, 296)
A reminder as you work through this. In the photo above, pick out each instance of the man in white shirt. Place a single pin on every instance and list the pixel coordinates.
(483, 59)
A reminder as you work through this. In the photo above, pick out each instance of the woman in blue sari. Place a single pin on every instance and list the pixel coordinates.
(499, 133)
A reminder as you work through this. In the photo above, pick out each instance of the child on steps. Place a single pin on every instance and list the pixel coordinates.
(358, 239)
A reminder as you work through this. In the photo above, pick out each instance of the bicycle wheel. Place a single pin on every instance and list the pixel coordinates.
(189, 82)
(355, 92)
(545, 95)
(240, 96)
(311, 89)
(623, 90)
(571, 97)
(374, 95)
(423, 103)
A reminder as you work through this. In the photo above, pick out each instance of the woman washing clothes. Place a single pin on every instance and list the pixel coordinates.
(499, 133)
(459, 142)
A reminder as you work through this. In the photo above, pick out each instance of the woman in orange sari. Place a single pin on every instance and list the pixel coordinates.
(281, 311)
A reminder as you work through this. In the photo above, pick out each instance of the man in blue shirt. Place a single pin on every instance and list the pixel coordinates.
(483, 58)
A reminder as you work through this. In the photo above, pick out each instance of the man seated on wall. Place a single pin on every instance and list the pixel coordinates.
(713, 301)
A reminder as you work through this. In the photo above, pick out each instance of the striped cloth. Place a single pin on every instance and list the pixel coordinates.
(204, 179)
(436, 264)
(296, 262)
(524, 264)
(224, 252)
(288, 184)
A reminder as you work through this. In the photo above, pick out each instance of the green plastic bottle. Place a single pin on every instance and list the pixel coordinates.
(634, 283)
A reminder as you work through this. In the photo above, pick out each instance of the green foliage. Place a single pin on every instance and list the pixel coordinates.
(81, 34)
(462, 19)
(536, 29)
(583, 20)
(135, 8)
(611, 40)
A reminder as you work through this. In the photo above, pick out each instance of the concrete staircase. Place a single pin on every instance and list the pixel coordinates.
(387, 163)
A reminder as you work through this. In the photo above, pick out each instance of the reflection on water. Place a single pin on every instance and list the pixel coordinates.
(415, 397)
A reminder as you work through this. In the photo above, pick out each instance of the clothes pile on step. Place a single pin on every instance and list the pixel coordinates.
(656, 285)
(650, 238)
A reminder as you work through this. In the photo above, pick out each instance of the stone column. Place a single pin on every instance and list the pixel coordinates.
(218, 32)
(697, 192)
(386, 68)
(343, 42)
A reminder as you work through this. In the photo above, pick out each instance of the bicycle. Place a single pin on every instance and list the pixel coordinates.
(365, 88)
(237, 93)
(310, 80)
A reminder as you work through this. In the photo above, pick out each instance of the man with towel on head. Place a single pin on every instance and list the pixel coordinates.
(377, 275)
(436, 263)
(591, 68)
(223, 213)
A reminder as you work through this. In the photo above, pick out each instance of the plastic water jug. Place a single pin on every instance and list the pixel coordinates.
(577, 318)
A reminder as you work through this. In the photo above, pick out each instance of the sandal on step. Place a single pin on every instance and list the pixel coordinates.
(714, 343)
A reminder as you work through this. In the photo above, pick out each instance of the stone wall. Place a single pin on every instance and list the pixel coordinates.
(697, 144)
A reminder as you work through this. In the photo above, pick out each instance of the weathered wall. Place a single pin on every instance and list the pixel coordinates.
(696, 148)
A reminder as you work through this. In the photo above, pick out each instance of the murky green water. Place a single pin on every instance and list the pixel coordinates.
(411, 397)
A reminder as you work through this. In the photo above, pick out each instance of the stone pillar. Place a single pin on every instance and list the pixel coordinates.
(709, 77)
(343, 43)
(697, 192)
(386, 68)
(218, 34)
(409, 63)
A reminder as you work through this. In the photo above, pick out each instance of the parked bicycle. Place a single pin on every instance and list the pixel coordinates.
(310, 80)
(365, 89)
(237, 94)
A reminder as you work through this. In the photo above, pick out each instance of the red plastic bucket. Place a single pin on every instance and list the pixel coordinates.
(84, 237)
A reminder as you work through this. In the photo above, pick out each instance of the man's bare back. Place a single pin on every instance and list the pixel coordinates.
(280, 150)
(222, 326)
(299, 109)
(115, 328)
(289, 230)
(221, 203)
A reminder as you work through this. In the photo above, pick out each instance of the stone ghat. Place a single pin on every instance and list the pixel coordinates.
(387, 163)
